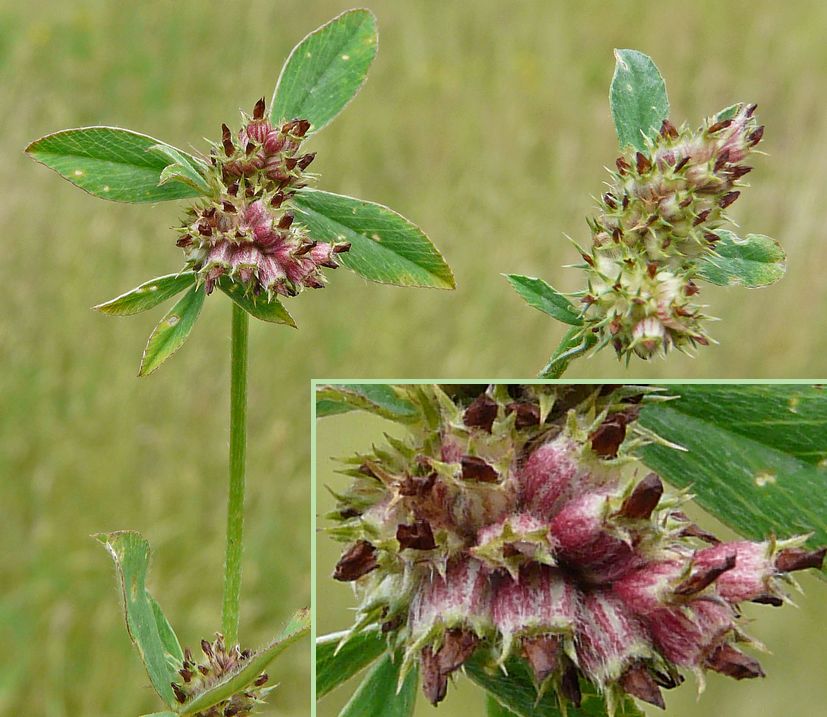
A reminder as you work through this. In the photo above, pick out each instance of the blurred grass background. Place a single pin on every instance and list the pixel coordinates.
(487, 125)
(795, 636)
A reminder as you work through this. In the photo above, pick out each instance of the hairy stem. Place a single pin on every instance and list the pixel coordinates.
(238, 451)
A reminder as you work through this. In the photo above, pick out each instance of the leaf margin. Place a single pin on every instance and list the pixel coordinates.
(724, 266)
(338, 647)
(563, 310)
(160, 683)
(305, 214)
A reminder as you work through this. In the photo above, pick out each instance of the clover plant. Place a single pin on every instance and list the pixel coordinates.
(258, 231)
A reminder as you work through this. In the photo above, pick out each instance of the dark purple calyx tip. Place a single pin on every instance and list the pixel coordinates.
(734, 663)
(481, 413)
(418, 536)
(543, 655)
(703, 576)
(793, 559)
(644, 498)
(570, 685)
(476, 469)
(457, 646)
(639, 682)
(526, 414)
(609, 436)
(768, 599)
(357, 561)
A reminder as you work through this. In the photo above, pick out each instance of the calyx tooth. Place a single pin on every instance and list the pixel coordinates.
(357, 561)
(644, 498)
(706, 575)
(734, 663)
(457, 646)
(543, 655)
(638, 682)
(793, 559)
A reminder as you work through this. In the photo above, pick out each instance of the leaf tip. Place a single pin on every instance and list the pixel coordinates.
(364, 11)
(513, 278)
(146, 367)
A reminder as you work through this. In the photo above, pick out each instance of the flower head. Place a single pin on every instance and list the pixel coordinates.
(512, 521)
(219, 663)
(655, 222)
(246, 231)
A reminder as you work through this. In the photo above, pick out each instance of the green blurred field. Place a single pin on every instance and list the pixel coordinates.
(485, 123)
(794, 684)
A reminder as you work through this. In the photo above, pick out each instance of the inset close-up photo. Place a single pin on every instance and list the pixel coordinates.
(570, 549)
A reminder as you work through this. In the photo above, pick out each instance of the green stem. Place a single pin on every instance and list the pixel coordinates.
(575, 343)
(238, 451)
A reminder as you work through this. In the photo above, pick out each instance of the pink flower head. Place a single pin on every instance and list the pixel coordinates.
(247, 233)
(500, 526)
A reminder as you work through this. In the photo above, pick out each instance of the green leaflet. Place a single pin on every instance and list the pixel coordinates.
(172, 331)
(169, 639)
(326, 70)
(183, 168)
(111, 163)
(637, 98)
(754, 261)
(385, 247)
(756, 455)
(149, 629)
(377, 695)
(259, 307)
(297, 627)
(378, 398)
(331, 408)
(335, 664)
(516, 692)
(148, 295)
(546, 298)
